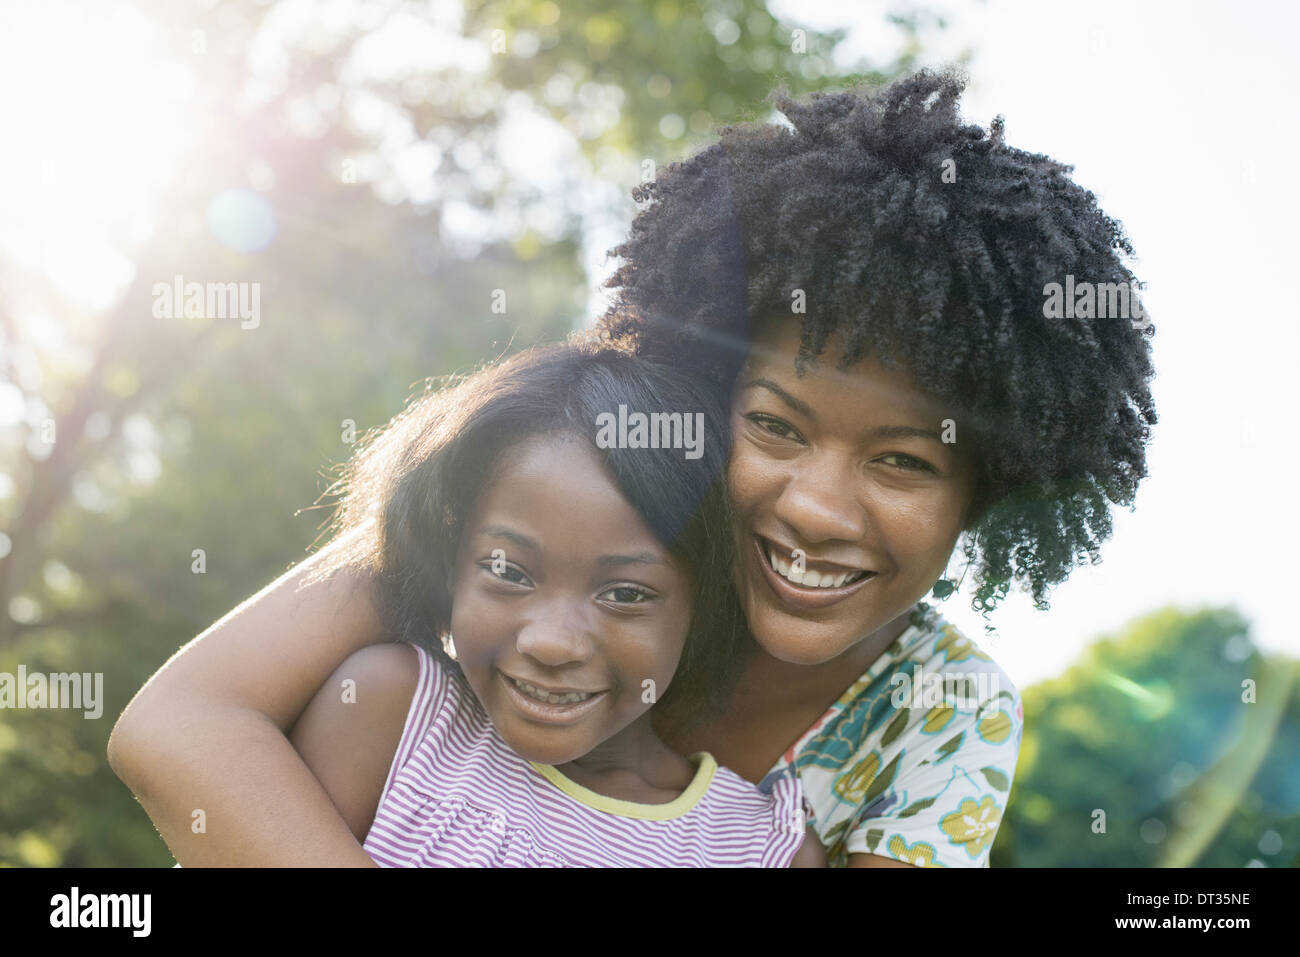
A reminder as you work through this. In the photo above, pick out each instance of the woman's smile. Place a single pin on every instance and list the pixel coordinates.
(818, 585)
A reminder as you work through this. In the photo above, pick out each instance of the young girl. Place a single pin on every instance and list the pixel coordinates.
(548, 589)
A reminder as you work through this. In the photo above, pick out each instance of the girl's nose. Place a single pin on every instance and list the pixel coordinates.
(556, 639)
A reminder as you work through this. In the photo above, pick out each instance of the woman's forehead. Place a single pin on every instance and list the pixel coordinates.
(772, 361)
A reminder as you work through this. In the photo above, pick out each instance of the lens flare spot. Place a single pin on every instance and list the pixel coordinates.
(242, 220)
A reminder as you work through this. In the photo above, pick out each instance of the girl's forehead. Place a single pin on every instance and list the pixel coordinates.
(552, 471)
(535, 463)
(553, 503)
(541, 449)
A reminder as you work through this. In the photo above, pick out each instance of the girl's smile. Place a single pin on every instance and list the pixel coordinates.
(549, 706)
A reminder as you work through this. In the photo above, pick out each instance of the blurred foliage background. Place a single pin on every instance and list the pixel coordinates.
(1172, 744)
(385, 172)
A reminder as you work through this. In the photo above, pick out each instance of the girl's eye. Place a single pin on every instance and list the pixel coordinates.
(508, 573)
(774, 426)
(626, 595)
(909, 463)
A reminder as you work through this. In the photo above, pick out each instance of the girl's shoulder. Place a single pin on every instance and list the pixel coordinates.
(351, 730)
(391, 666)
(424, 697)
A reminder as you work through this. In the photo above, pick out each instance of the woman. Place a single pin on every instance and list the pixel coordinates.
(870, 290)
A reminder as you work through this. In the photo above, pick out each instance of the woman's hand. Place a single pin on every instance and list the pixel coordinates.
(204, 747)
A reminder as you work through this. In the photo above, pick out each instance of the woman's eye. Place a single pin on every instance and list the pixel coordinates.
(908, 462)
(626, 595)
(506, 573)
(773, 426)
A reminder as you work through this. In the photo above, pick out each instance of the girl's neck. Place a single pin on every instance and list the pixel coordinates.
(635, 765)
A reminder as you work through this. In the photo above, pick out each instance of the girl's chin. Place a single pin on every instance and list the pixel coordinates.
(545, 752)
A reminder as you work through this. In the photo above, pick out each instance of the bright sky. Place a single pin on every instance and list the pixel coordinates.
(1182, 122)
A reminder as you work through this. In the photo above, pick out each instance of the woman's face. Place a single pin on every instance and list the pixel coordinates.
(564, 603)
(847, 474)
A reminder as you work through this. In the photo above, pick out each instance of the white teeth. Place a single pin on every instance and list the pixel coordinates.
(777, 563)
(534, 692)
(810, 578)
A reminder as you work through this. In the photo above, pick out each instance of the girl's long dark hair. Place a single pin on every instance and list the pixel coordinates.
(404, 497)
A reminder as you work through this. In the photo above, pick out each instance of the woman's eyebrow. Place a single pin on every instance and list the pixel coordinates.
(803, 408)
(905, 432)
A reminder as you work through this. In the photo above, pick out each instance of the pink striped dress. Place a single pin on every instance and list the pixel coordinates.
(457, 796)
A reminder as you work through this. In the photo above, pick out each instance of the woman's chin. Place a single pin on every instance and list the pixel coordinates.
(800, 642)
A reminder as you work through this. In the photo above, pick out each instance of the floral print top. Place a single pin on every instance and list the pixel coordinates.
(915, 760)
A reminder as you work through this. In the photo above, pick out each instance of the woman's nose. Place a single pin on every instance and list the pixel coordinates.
(821, 502)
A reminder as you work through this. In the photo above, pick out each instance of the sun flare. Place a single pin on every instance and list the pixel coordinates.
(94, 116)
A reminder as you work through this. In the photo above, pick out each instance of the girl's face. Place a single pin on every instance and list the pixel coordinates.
(568, 615)
(847, 473)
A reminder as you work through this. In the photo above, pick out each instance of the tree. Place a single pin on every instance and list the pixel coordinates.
(1169, 745)
(163, 462)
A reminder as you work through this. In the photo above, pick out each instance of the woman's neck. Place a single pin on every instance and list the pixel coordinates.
(774, 702)
(781, 685)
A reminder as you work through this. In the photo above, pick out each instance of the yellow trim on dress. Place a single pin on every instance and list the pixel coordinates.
(646, 812)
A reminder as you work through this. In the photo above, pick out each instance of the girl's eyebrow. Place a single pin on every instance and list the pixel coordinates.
(638, 558)
(523, 541)
(510, 535)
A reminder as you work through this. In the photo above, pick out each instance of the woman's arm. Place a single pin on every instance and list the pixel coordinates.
(203, 744)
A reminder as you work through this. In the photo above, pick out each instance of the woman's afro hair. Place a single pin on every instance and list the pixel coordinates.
(928, 244)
